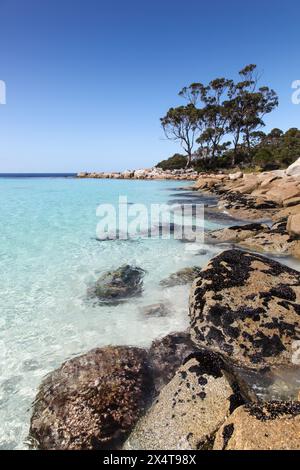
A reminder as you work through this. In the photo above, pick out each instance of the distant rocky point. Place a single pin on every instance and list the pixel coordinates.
(145, 174)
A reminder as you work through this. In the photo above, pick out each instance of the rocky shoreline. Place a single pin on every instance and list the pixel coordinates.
(226, 382)
(270, 201)
(145, 174)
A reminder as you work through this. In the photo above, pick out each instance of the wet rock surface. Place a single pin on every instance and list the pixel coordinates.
(92, 401)
(167, 354)
(246, 307)
(235, 233)
(183, 276)
(189, 409)
(261, 426)
(124, 282)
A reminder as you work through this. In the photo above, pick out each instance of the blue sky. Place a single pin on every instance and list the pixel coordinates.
(88, 80)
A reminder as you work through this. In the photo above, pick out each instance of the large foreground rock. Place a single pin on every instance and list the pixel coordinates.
(264, 426)
(246, 307)
(189, 409)
(124, 282)
(92, 401)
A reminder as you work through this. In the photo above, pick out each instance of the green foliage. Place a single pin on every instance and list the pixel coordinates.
(225, 118)
(285, 148)
(176, 162)
(210, 164)
(268, 152)
(263, 157)
(221, 111)
(180, 124)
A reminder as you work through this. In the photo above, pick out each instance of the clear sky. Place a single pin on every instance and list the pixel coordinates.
(88, 80)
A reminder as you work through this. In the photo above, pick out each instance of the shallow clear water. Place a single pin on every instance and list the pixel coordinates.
(49, 256)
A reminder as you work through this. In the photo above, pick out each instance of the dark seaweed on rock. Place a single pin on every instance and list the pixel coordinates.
(227, 433)
(245, 307)
(272, 410)
(190, 408)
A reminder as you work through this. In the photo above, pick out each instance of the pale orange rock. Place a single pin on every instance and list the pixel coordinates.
(293, 224)
(261, 426)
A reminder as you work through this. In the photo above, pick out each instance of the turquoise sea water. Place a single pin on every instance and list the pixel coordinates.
(49, 256)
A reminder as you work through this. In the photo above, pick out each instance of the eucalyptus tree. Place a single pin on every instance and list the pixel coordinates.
(180, 124)
(246, 107)
(212, 116)
(220, 111)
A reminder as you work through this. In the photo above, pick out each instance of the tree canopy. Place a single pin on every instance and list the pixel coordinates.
(224, 119)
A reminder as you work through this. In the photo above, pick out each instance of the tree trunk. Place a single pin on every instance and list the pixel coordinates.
(188, 160)
(248, 141)
(233, 159)
(234, 155)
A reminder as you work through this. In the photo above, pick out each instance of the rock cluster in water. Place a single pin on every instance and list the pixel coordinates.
(188, 391)
(197, 389)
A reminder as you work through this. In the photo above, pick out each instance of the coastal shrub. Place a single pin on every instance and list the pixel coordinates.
(210, 164)
(263, 157)
(176, 162)
(271, 151)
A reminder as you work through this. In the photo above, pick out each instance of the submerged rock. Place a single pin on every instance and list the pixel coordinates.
(124, 282)
(183, 276)
(167, 354)
(261, 426)
(189, 409)
(156, 310)
(92, 401)
(246, 307)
